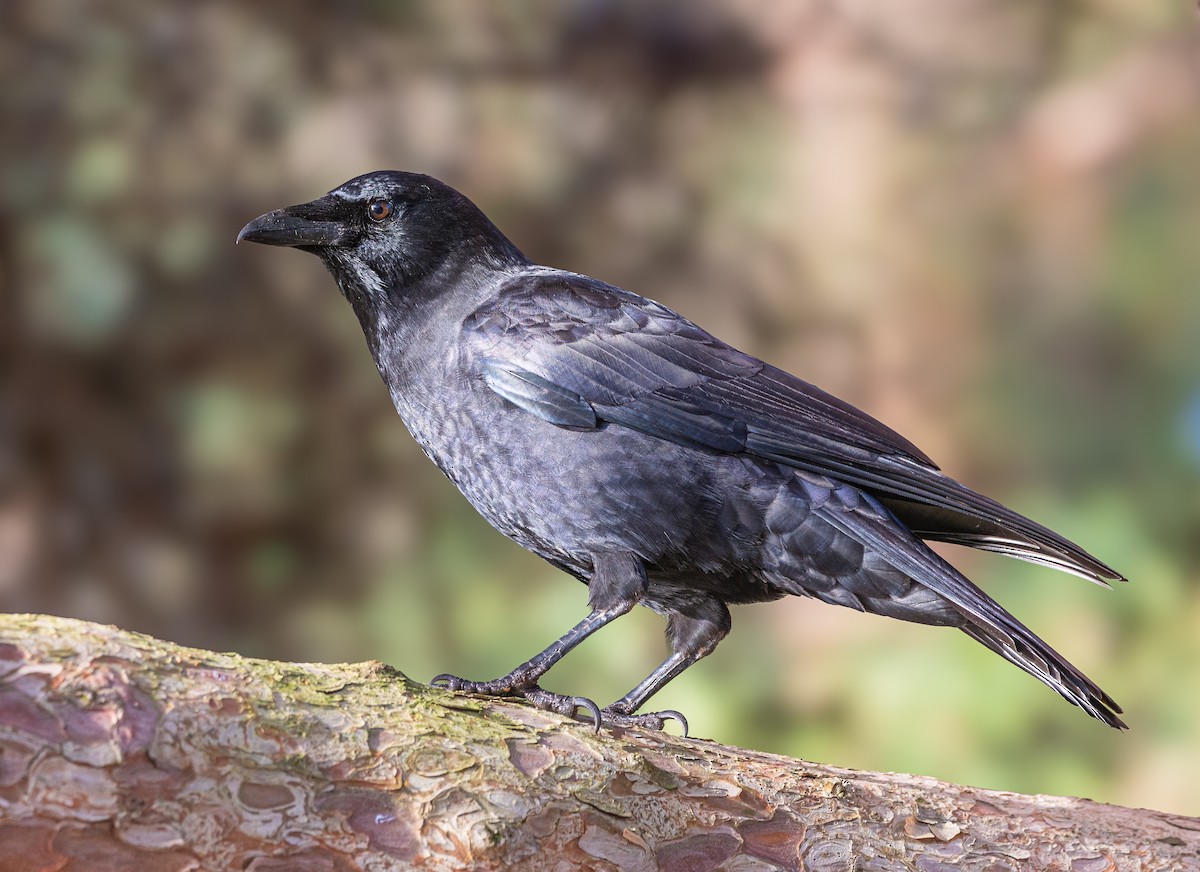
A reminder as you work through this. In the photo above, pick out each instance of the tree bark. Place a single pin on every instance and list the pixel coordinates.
(118, 751)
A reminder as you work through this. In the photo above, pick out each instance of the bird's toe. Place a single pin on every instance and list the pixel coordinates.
(564, 705)
(646, 721)
(504, 686)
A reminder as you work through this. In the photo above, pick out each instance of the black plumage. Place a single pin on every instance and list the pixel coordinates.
(647, 458)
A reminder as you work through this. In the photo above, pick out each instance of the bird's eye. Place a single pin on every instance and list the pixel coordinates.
(379, 209)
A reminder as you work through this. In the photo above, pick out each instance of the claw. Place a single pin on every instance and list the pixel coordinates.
(672, 715)
(446, 680)
(582, 702)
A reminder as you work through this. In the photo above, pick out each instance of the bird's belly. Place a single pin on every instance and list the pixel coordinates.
(701, 521)
(566, 494)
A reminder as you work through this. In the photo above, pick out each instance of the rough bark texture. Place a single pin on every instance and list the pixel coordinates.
(118, 751)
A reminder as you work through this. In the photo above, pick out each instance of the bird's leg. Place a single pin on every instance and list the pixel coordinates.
(693, 635)
(617, 583)
(523, 681)
(621, 712)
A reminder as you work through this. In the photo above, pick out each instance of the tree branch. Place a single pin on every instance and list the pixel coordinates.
(118, 751)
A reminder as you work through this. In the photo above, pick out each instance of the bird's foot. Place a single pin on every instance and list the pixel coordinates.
(618, 717)
(515, 685)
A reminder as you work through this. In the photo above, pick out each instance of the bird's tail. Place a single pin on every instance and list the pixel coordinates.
(979, 616)
(1009, 638)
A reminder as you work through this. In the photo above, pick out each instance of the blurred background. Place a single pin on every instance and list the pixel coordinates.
(975, 219)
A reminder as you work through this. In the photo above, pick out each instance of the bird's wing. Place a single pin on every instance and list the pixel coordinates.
(578, 352)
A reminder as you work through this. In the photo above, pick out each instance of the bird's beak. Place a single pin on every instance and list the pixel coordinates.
(292, 228)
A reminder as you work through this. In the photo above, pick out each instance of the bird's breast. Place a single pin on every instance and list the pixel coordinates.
(565, 494)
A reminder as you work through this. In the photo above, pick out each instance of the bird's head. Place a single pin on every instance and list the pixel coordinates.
(383, 235)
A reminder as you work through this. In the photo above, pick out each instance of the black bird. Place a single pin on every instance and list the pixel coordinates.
(647, 458)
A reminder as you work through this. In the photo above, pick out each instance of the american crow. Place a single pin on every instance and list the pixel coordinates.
(647, 458)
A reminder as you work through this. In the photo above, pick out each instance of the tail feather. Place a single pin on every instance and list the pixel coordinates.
(982, 618)
(1018, 645)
